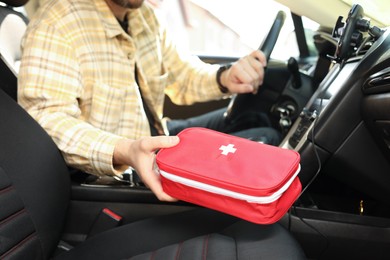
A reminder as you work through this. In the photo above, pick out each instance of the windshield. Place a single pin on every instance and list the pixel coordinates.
(375, 9)
(228, 27)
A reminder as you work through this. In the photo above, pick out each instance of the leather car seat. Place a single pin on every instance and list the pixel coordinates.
(35, 194)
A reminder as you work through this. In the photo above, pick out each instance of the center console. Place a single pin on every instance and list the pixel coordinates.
(329, 87)
(330, 125)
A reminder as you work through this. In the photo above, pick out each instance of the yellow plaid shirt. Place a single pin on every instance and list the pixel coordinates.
(77, 78)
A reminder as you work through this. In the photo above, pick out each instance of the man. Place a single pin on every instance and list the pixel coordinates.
(94, 74)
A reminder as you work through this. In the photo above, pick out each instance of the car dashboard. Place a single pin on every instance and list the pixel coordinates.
(343, 131)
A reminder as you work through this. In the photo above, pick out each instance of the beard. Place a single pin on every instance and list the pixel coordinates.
(132, 4)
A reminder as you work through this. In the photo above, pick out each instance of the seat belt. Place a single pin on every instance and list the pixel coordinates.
(107, 219)
(9, 81)
(149, 115)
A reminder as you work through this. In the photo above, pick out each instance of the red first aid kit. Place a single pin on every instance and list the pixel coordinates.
(243, 178)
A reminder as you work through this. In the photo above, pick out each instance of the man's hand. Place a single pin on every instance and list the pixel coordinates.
(140, 154)
(246, 75)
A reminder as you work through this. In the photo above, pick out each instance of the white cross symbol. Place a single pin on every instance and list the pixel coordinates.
(227, 149)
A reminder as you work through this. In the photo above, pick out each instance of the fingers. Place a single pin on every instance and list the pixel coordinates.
(258, 55)
(247, 74)
(156, 142)
(253, 74)
(142, 154)
(153, 182)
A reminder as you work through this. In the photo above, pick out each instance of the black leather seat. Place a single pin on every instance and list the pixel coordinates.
(35, 194)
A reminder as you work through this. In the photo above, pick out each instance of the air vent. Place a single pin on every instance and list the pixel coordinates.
(378, 82)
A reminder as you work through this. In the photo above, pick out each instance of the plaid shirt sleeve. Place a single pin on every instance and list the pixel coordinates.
(49, 87)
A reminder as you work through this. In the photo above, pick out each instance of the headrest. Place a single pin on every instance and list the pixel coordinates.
(14, 3)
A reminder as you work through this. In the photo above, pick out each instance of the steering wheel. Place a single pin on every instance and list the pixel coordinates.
(239, 102)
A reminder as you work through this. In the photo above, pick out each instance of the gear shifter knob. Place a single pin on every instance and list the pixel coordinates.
(293, 67)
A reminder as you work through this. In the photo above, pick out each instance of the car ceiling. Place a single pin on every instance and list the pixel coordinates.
(326, 12)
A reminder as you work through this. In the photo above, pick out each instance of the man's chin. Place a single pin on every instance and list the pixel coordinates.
(132, 4)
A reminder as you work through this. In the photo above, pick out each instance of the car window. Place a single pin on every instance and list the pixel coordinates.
(228, 27)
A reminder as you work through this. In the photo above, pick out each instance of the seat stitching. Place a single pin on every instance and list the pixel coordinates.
(178, 251)
(6, 189)
(17, 246)
(205, 247)
(13, 216)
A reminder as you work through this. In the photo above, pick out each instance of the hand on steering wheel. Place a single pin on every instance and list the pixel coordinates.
(245, 75)
(239, 100)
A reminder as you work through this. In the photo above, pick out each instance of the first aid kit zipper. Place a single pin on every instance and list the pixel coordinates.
(251, 199)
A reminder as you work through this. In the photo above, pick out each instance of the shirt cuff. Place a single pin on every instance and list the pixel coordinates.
(102, 152)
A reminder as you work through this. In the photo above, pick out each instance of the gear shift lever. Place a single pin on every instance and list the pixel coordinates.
(292, 66)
